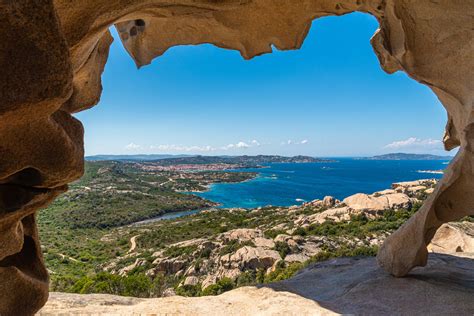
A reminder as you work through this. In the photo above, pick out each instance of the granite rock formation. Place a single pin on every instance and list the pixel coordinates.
(53, 52)
(348, 286)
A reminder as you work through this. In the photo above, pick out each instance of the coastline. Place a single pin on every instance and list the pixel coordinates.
(282, 183)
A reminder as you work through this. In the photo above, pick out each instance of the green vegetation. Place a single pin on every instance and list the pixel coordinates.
(137, 285)
(87, 238)
(282, 248)
(83, 229)
(360, 226)
(223, 285)
(175, 251)
(113, 194)
(272, 233)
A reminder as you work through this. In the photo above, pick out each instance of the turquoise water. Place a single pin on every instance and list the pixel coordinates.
(286, 184)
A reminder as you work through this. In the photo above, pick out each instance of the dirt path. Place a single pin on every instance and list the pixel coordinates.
(169, 180)
(63, 256)
(133, 244)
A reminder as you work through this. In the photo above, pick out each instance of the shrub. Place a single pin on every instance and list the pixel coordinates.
(282, 248)
(205, 253)
(283, 272)
(246, 278)
(344, 252)
(272, 233)
(223, 285)
(300, 231)
(189, 290)
(138, 285)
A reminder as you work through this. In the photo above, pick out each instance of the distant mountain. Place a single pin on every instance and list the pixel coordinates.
(132, 157)
(246, 160)
(405, 156)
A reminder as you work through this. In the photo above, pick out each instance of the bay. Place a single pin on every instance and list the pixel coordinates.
(285, 184)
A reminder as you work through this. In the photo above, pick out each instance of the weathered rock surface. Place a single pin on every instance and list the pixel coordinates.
(251, 258)
(365, 202)
(241, 234)
(453, 238)
(360, 287)
(53, 52)
(339, 286)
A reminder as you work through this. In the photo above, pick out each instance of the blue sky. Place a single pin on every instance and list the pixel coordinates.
(330, 98)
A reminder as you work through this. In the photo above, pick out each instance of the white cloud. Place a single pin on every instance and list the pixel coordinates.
(293, 142)
(133, 146)
(207, 148)
(227, 147)
(181, 148)
(241, 145)
(414, 143)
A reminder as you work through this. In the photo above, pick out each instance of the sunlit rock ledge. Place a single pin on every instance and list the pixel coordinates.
(339, 286)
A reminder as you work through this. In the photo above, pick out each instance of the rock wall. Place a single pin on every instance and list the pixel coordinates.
(53, 52)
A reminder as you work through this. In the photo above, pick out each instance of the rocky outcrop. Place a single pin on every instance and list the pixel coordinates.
(376, 203)
(241, 234)
(416, 185)
(453, 238)
(250, 258)
(327, 201)
(403, 196)
(53, 53)
(169, 265)
(444, 287)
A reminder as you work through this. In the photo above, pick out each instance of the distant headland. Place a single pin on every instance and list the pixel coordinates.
(405, 156)
(198, 159)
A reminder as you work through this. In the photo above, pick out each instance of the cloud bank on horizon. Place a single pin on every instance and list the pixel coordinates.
(410, 145)
(416, 145)
(239, 146)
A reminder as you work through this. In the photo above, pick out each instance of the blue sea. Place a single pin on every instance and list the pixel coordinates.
(285, 184)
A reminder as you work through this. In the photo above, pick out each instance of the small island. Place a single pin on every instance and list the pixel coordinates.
(406, 156)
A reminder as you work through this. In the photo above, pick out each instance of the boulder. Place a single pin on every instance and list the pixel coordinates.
(453, 237)
(169, 265)
(416, 188)
(329, 201)
(138, 263)
(241, 234)
(250, 258)
(282, 238)
(310, 249)
(365, 202)
(264, 242)
(296, 257)
(429, 191)
(335, 214)
(208, 280)
(191, 280)
(169, 292)
(398, 200)
(384, 192)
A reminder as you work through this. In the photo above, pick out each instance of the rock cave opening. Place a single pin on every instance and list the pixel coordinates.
(52, 67)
